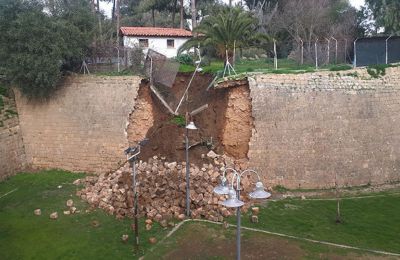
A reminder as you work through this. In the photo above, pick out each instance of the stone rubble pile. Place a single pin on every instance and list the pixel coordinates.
(162, 190)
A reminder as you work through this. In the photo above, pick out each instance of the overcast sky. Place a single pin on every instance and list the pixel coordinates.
(106, 7)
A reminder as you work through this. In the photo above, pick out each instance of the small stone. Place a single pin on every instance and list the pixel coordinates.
(303, 197)
(67, 212)
(148, 221)
(77, 182)
(153, 240)
(95, 223)
(72, 210)
(54, 215)
(212, 154)
(181, 217)
(254, 219)
(37, 212)
(158, 217)
(59, 186)
(125, 238)
(255, 210)
(225, 225)
(133, 227)
(163, 223)
(171, 224)
(148, 227)
(70, 203)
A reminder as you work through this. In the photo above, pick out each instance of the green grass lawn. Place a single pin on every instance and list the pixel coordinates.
(370, 223)
(197, 240)
(26, 236)
(264, 65)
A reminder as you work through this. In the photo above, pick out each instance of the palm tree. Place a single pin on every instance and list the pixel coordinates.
(228, 28)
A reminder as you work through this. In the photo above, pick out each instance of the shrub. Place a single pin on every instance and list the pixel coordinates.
(341, 67)
(178, 120)
(184, 59)
(377, 71)
(136, 57)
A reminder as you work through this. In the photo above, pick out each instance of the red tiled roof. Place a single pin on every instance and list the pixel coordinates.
(155, 31)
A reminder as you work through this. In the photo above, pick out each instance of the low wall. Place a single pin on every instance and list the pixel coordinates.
(82, 128)
(12, 153)
(310, 127)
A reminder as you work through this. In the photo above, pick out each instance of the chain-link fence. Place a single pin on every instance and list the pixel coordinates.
(322, 51)
(376, 50)
(115, 59)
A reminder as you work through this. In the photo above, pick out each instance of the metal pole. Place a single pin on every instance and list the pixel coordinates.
(302, 52)
(238, 220)
(329, 48)
(135, 201)
(336, 49)
(187, 174)
(316, 53)
(386, 50)
(118, 59)
(345, 50)
(275, 56)
(355, 53)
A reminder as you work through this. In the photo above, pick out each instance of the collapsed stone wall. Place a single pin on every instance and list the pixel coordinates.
(83, 127)
(162, 189)
(309, 127)
(12, 152)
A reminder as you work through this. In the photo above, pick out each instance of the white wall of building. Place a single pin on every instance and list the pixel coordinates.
(158, 44)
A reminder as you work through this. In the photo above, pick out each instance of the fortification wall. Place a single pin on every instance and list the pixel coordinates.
(12, 152)
(82, 128)
(310, 127)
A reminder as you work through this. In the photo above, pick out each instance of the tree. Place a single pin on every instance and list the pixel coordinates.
(224, 30)
(386, 14)
(36, 47)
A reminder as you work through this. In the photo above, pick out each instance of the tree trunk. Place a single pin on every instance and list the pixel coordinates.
(113, 12)
(181, 13)
(174, 12)
(117, 2)
(230, 3)
(194, 14)
(99, 21)
(153, 18)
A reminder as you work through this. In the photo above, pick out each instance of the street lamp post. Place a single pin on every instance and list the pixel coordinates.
(234, 201)
(132, 154)
(190, 126)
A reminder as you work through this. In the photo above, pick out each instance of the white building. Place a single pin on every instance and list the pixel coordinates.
(166, 41)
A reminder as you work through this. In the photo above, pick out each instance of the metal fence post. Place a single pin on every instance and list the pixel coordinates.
(386, 49)
(316, 53)
(355, 53)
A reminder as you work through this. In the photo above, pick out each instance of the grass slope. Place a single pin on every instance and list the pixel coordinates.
(26, 236)
(370, 223)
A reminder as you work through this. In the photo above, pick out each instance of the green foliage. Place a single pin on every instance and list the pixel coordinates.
(352, 74)
(35, 46)
(3, 90)
(340, 67)
(386, 14)
(280, 188)
(225, 29)
(11, 112)
(179, 121)
(377, 71)
(1, 103)
(185, 59)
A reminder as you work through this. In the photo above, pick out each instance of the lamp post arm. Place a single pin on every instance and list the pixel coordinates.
(251, 171)
(224, 173)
